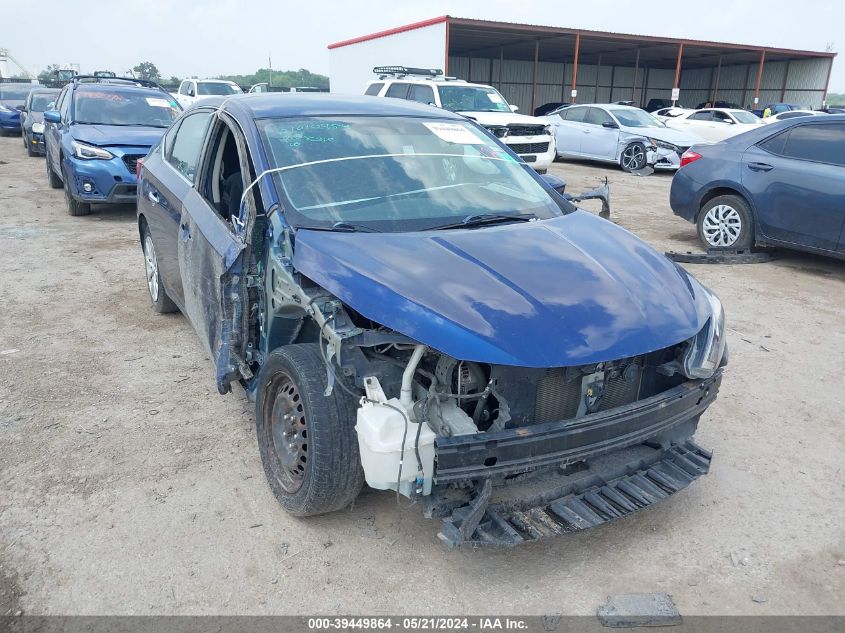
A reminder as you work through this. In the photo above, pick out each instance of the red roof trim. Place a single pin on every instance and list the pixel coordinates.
(394, 31)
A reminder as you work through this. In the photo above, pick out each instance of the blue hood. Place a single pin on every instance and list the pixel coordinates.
(106, 135)
(571, 290)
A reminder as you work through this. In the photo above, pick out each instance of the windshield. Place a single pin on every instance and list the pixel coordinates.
(41, 101)
(126, 107)
(14, 93)
(472, 99)
(745, 117)
(398, 173)
(636, 118)
(216, 88)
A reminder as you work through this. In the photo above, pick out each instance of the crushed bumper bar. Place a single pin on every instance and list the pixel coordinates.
(589, 503)
(468, 457)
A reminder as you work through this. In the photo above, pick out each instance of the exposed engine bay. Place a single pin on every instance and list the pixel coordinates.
(453, 434)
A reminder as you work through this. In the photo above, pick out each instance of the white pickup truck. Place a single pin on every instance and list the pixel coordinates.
(192, 89)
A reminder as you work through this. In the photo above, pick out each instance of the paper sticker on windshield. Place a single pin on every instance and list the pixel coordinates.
(454, 133)
(157, 102)
(495, 98)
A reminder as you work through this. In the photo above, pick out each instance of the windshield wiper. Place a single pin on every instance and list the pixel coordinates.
(342, 227)
(480, 219)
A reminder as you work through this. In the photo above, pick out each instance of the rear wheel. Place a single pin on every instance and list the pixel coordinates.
(633, 157)
(162, 303)
(725, 223)
(74, 206)
(307, 440)
(52, 177)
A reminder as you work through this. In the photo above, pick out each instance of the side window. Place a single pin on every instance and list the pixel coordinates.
(597, 116)
(423, 94)
(373, 89)
(721, 116)
(184, 149)
(398, 91)
(574, 114)
(65, 105)
(700, 116)
(775, 144)
(821, 143)
(60, 100)
(183, 88)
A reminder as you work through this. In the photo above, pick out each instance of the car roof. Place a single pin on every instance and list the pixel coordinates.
(264, 105)
(112, 88)
(46, 90)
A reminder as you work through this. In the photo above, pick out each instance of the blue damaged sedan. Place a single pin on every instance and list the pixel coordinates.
(409, 305)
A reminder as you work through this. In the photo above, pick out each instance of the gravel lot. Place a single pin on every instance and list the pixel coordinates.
(129, 486)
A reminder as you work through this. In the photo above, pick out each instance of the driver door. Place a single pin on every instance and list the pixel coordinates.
(601, 135)
(213, 253)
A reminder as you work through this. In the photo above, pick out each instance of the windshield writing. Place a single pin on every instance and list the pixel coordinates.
(124, 108)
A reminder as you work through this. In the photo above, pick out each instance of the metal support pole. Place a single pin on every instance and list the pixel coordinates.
(678, 68)
(596, 89)
(534, 76)
(501, 65)
(759, 75)
(575, 64)
(785, 78)
(636, 74)
(716, 86)
(446, 61)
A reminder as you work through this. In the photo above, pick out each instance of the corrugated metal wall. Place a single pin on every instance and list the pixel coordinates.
(801, 82)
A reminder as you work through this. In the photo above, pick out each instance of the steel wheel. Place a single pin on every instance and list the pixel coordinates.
(289, 432)
(151, 265)
(721, 226)
(634, 158)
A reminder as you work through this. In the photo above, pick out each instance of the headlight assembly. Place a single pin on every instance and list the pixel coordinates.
(664, 145)
(38, 128)
(706, 348)
(81, 150)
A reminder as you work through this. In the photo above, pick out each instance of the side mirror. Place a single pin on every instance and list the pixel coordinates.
(558, 184)
(191, 92)
(22, 108)
(514, 108)
(610, 124)
(52, 116)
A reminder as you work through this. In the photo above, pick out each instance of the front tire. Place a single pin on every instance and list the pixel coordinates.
(162, 303)
(633, 157)
(726, 223)
(28, 143)
(74, 206)
(306, 440)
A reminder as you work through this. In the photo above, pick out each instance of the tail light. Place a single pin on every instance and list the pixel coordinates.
(138, 168)
(689, 156)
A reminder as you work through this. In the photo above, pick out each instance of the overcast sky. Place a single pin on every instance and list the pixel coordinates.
(216, 37)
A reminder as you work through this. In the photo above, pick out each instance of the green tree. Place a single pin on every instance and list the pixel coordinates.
(281, 78)
(46, 75)
(147, 70)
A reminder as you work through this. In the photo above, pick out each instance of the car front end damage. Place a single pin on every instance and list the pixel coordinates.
(500, 442)
(103, 174)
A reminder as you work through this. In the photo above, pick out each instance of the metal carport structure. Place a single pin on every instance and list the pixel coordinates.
(532, 64)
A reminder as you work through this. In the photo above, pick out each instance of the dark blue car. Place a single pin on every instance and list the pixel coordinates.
(37, 102)
(12, 98)
(410, 305)
(98, 131)
(780, 185)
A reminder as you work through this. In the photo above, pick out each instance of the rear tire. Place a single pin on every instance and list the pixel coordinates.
(726, 223)
(52, 177)
(74, 206)
(307, 440)
(633, 157)
(162, 303)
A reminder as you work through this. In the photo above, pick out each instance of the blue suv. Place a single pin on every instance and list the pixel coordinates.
(99, 130)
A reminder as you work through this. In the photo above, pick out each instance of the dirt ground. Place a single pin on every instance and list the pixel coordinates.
(129, 486)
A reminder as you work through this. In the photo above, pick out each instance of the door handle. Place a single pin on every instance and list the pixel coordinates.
(759, 167)
(153, 197)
